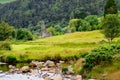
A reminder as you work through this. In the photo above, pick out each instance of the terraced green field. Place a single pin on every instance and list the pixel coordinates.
(65, 46)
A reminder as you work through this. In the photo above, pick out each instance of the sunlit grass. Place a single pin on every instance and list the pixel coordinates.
(98, 71)
(67, 45)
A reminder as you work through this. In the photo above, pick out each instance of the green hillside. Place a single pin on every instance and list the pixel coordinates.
(65, 46)
(23, 13)
(6, 1)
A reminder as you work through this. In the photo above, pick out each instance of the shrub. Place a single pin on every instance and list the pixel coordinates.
(5, 45)
(24, 34)
(101, 55)
(57, 57)
(93, 20)
(111, 26)
(5, 31)
(64, 70)
(11, 59)
(79, 25)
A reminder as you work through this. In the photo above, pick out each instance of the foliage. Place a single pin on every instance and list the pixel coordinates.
(24, 34)
(35, 29)
(84, 26)
(101, 55)
(21, 13)
(110, 8)
(10, 59)
(6, 1)
(111, 26)
(79, 25)
(5, 45)
(5, 31)
(93, 20)
(64, 47)
(51, 30)
(64, 70)
(74, 24)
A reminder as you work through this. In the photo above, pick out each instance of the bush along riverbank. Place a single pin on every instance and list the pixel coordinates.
(101, 56)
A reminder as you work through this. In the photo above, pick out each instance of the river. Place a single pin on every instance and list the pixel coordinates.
(5, 67)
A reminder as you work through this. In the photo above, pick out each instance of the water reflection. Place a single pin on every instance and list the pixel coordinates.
(4, 67)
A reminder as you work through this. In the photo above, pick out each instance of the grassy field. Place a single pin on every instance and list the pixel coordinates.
(108, 72)
(64, 46)
(6, 1)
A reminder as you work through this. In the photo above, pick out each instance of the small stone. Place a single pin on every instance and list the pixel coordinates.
(52, 70)
(44, 69)
(1, 71)
(49, 63)
(11, 71)
(78, 77)
(61, 62)
(68, 76)
(47, 78)
(25, 69)
(11, 67)
(56, 78)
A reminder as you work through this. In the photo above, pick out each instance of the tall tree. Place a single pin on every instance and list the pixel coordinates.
(110, 7)
(111, 26)
(5, 31)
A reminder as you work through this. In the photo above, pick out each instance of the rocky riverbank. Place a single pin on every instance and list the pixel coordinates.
(36, 70)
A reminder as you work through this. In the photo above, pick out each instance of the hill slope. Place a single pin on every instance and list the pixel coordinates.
(21, 13)
(65, 46)
(6, 1)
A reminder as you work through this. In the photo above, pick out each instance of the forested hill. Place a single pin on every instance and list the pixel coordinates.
(6, 1)
(21, 13)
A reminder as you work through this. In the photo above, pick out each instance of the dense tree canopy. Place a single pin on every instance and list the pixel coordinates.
(79, 25)
(23, 34)
(21, 13)
(110, 7)
(5, 31)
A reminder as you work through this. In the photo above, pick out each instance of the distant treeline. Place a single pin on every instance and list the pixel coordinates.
(25, 13)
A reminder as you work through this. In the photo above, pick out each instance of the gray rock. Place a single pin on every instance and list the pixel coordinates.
(44, 69)
(2, 63)
(52, 70)
(11, 67)
(1, 71)
(34, 64)
(25, 69)
(78, 77)
(57, 78)
(61, 62)
(49, 63)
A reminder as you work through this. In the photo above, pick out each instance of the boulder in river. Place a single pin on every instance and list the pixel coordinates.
(44, 69)
(34, 64)
(1, 71)
(49, 63)
(25, 69)
(11, 67)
